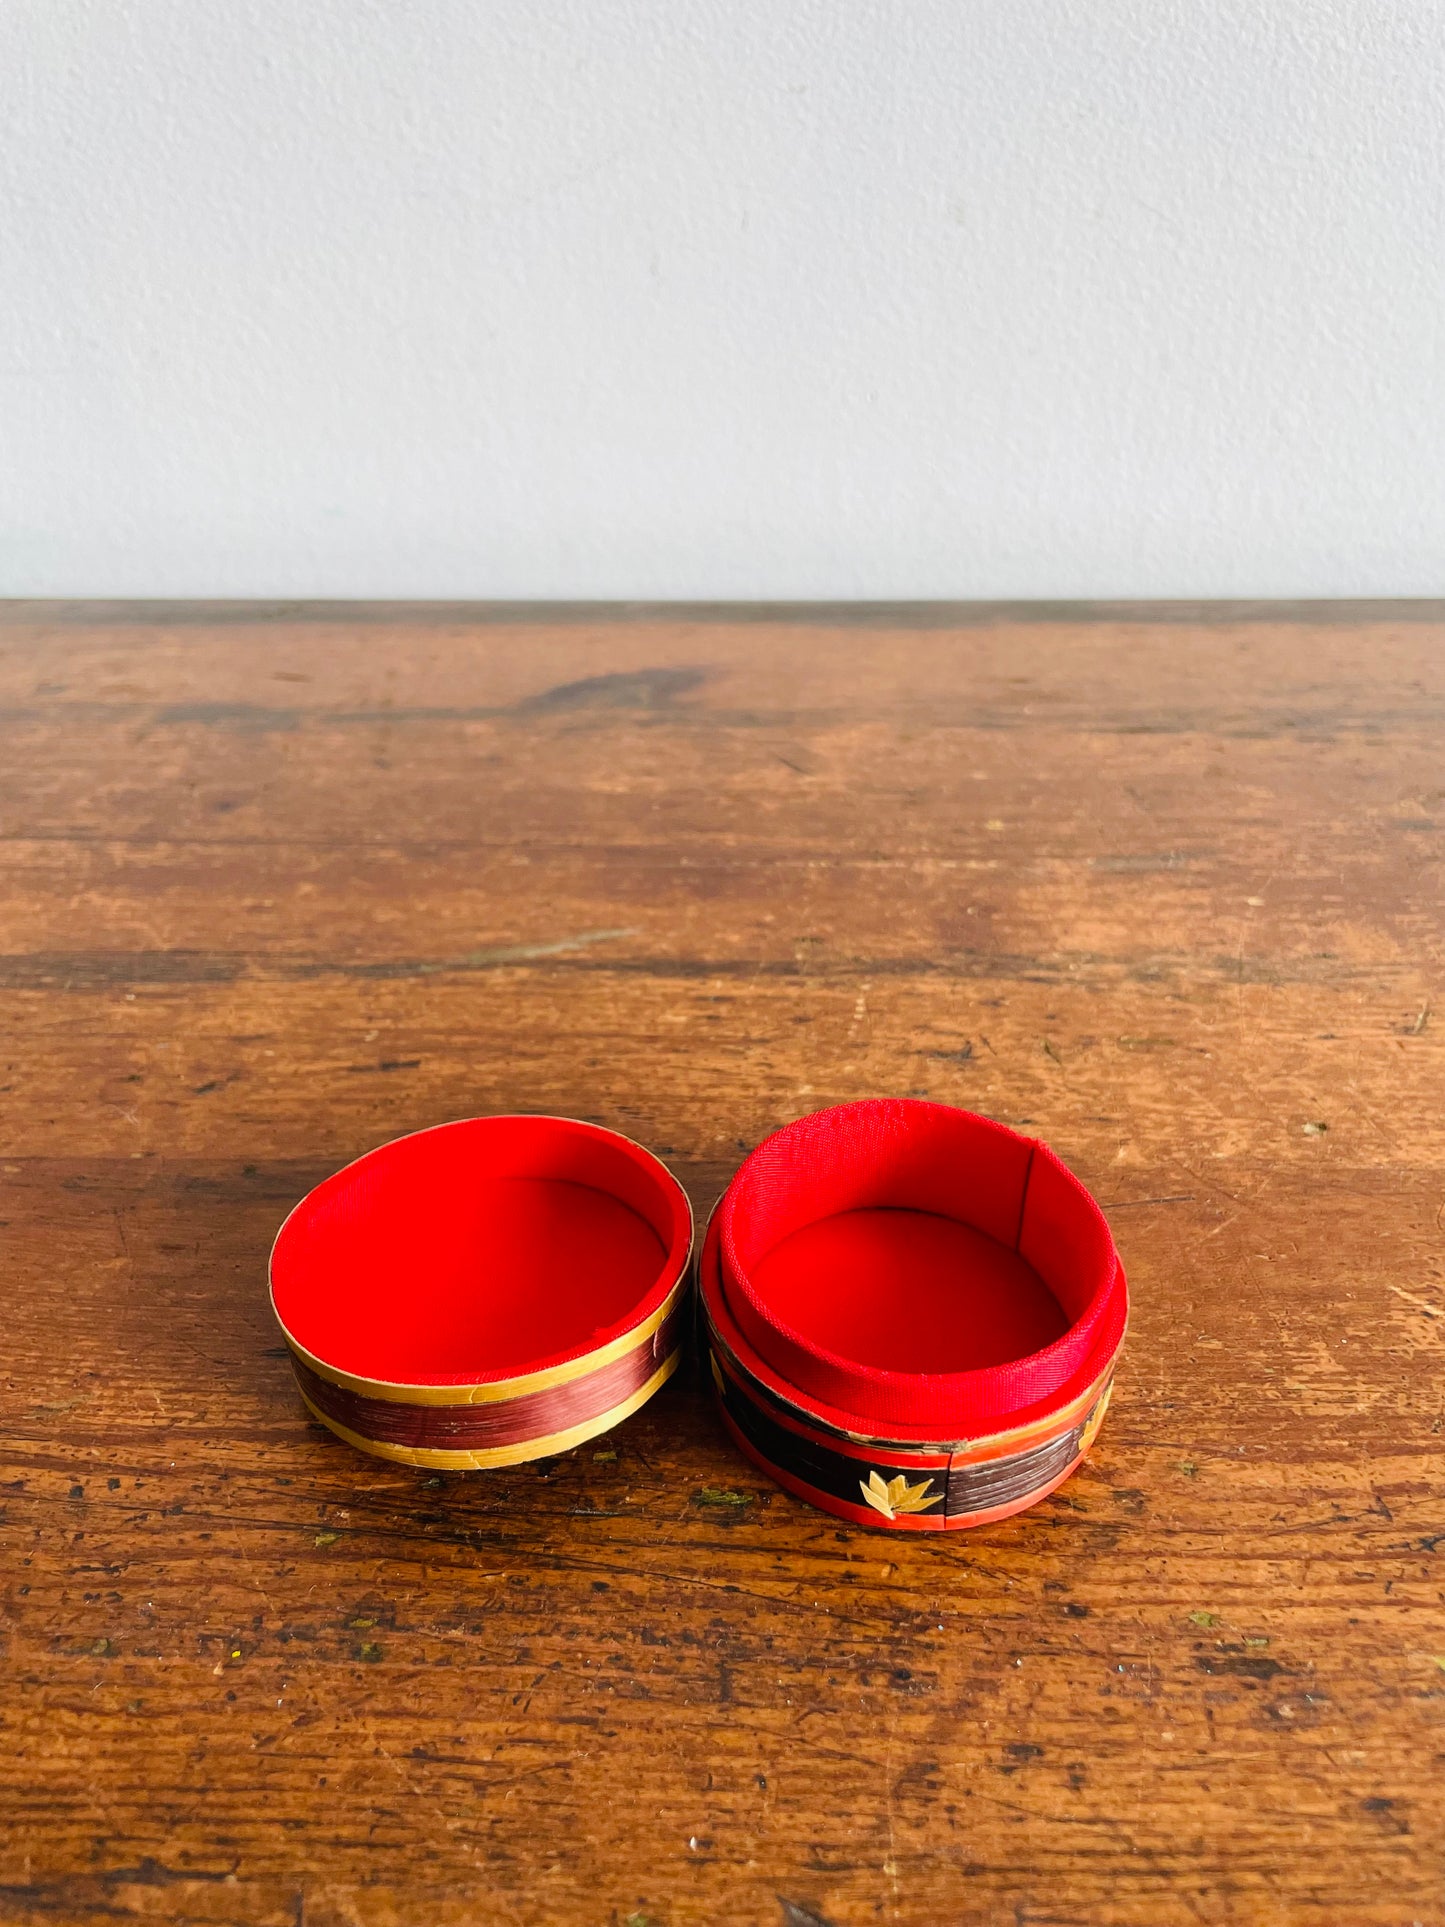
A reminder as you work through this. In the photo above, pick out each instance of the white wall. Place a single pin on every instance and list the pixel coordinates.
(722, 297)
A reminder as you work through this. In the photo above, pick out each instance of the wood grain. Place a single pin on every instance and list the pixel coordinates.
(1160, 885)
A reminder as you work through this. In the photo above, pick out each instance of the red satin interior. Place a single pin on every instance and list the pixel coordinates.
(908, 1291)
(480, 1250)
(917, 1264)
(929, 1426)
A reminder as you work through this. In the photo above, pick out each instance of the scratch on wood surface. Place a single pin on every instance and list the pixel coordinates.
(1130, 1204)
(795, 1915)
(616, 689)
(1422, 1304)
(522, 952)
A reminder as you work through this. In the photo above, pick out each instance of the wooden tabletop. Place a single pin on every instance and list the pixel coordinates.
(1161, 886)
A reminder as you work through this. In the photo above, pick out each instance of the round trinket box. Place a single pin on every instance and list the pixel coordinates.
(913, 1314)
(485, 1292)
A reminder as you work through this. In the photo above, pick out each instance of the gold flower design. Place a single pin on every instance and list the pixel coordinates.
(897, 1495)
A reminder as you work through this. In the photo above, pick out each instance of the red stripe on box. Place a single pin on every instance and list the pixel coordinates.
(513, 1421)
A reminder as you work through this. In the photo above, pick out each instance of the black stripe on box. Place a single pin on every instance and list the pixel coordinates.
(969, 1488)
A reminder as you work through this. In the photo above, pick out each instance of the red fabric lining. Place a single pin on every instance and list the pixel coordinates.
(480, 1250)
(876, 1177)
(901, 1432)
(907, 1291)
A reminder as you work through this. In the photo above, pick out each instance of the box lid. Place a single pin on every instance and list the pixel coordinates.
(486, 1291)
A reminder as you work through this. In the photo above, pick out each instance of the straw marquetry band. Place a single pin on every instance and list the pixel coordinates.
(496, 1391)
(547, 1417)
(884, 1483)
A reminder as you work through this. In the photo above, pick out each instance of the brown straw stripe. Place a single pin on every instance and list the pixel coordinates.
(509, 1422)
